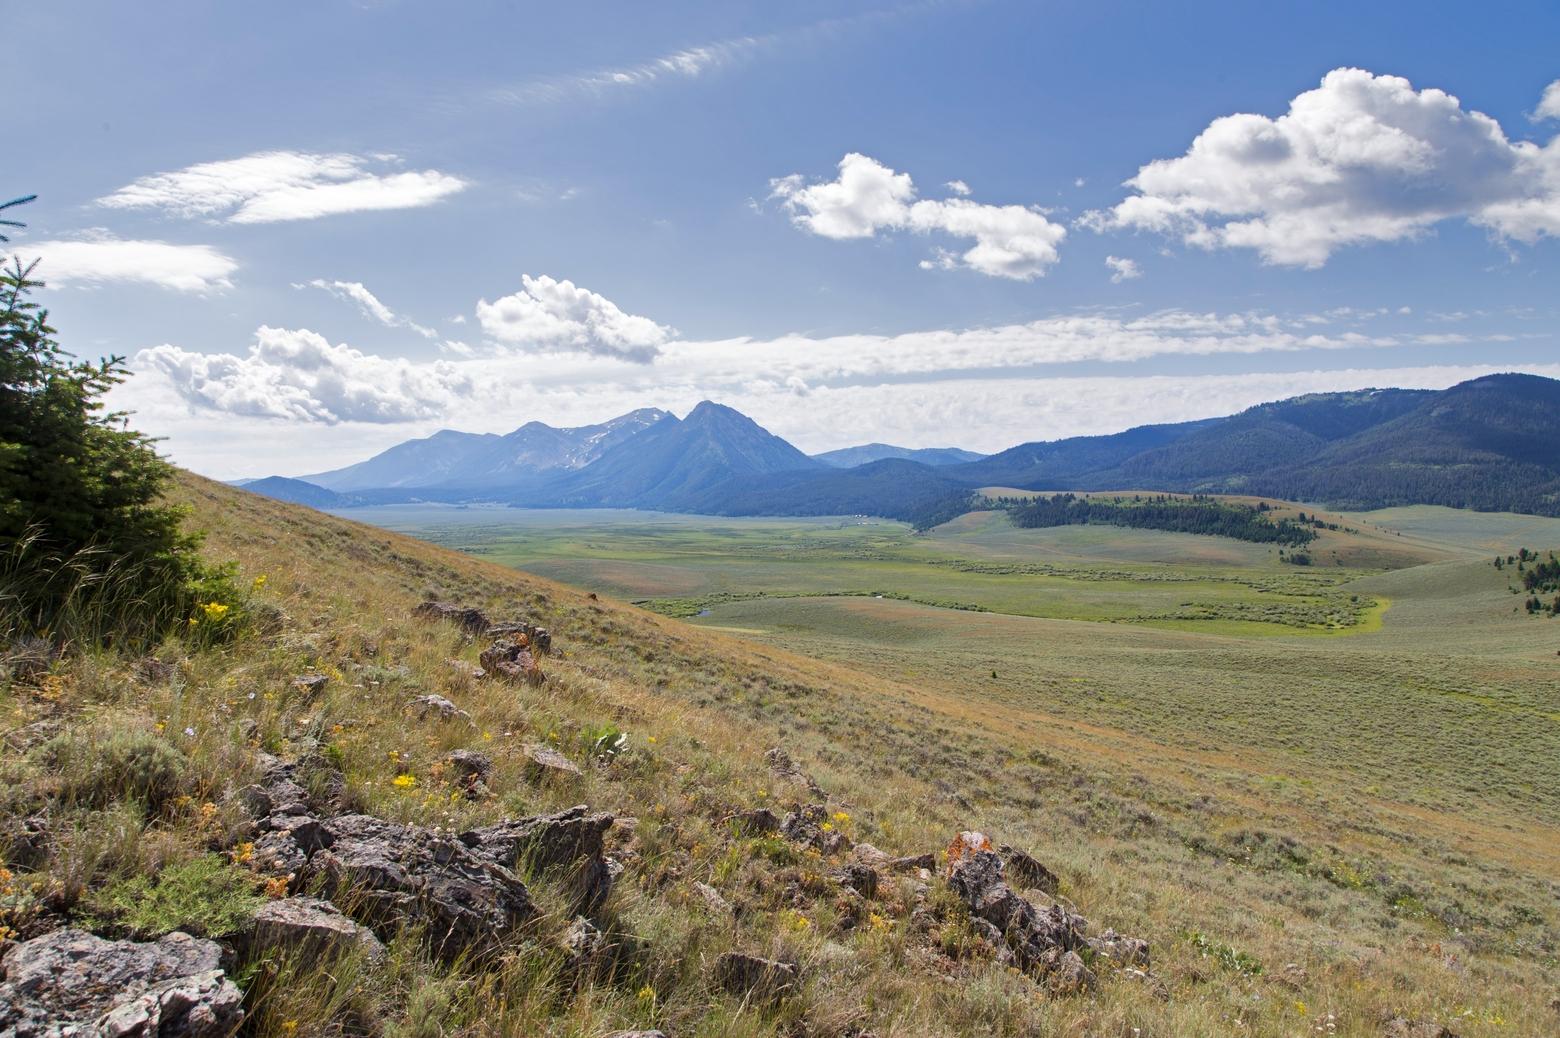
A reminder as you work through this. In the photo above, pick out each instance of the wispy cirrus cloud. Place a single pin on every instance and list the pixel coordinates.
(99, 257)
(368, 304)
(276, 186)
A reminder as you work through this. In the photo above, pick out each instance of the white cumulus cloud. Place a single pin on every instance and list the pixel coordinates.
(358, 293)
(297, 374)
(1011, 241)
(273, 186)
(1549, 104)
(102, 258)
(1361, 158)
(1122, 269)
(549, 315)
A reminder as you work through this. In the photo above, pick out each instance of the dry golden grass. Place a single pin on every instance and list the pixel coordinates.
(1126, 823)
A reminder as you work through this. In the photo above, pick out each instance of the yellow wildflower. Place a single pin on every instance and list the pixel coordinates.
(289, 1026)
(404, 781)
(243, 854)
(827, 827)
(841, 817)
(215, 610)
(259, 582)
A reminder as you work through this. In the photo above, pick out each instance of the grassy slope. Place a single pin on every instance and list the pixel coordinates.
(1405, 905)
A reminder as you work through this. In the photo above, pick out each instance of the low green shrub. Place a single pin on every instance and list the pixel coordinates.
(207, 897)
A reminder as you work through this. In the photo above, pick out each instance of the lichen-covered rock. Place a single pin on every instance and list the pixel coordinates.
(391, 875)
(860, 877)
(809, 825)
(467, 618)
(760, 821)
(712, 900)
(311, 683)
(537, 639)
(71, 982)
(1119, 948)
(471, 770)
(310, 923)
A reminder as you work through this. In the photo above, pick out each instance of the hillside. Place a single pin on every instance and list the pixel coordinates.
(1257, 918)
(850, 457)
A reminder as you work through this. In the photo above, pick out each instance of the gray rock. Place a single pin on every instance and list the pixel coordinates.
(860, 877)
(545, 763)
(572, 838)
(751, 975)
(71, 982)
(510, 658)
(758, 822)
(583, 943)
(469, 766)
(804, 825)
(390, 875)
(1037, 938)
(311, 683)
(467, 618)
(713, 900)
(1127, 951)
(310, 923)
(1027, 871)
(206, 1004)
(436, 706)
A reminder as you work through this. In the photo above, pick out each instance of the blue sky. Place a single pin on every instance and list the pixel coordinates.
(317, 229)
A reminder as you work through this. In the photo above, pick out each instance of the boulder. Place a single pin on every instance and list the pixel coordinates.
(467, 618)
(72, 982)
(470, 670)
(510, 658)
(313, 924)
(781, 764)
(543, 764)
(436, 706)
(1067, 975)
(745, 975)
(583, 943)
(1027, 871)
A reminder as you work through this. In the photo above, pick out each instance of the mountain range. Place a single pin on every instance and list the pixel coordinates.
(1486, 444)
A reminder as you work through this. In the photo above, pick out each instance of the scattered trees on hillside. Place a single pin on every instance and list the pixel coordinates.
(1198, 514)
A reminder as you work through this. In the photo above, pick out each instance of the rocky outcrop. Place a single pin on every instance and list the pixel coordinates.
(523, 632)
(467, 618)
(463, 892)
(311, 683)
(72, 982)
(568, 839)
(512, 658)
(1048, 941)
(781, 764)
(392, 875)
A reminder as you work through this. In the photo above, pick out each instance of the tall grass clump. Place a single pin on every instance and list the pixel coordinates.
(89, 552)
